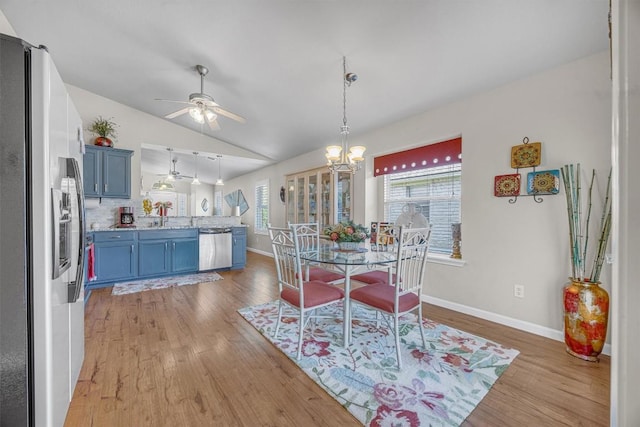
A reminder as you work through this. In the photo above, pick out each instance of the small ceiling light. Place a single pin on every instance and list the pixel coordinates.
(341, 157)
(162, 186)
(196, 181)
(219, 182)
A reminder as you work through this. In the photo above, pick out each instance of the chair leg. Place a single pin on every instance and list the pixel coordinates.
(300, 335)
(396, 326)
(275, 334)
(420, 323)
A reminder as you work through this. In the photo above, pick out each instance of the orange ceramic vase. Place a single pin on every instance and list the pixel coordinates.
(586, 313)
(104, 142)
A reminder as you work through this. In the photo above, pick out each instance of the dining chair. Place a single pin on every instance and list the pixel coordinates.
(386, 239)
(403, 295)
(309, 242)
(304, 296)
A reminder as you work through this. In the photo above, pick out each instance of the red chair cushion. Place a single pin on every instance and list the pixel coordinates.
(315, 293)
(374, 276)
(382, 296)
(322, 275)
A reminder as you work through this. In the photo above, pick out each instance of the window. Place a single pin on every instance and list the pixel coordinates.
(217, 203)
(423, 185)
(262, 207)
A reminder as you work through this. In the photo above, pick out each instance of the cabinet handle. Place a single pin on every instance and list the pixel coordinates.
(117, 236)
(95, 187)
(131, 248)
(105, 188)
(174, 246)
(166, 246)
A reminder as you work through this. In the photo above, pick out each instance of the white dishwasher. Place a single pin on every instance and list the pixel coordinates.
(215, 248)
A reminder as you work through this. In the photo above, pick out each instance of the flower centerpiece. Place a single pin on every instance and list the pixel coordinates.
(163, 207)
(347, 234)
(586, 304)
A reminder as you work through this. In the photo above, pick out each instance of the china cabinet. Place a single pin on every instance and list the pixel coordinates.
(319, 196)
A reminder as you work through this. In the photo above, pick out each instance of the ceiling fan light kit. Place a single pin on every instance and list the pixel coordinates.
(202, 107)
(341, 157)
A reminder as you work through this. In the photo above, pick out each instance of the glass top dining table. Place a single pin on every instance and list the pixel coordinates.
(349, 262)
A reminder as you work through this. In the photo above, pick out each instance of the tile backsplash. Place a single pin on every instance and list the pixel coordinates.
(102, 214)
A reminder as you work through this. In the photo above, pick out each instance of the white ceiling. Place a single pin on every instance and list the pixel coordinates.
(279, 63)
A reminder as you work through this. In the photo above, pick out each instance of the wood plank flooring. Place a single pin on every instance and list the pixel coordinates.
(184, 357)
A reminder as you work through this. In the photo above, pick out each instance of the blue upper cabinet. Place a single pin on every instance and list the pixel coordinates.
(107, 172)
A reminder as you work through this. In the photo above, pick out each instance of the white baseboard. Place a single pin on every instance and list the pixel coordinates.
(258, 251)
(543, 331)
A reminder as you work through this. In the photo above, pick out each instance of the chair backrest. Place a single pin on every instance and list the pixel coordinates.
(413, 245)
(286, 254)
(308, 234)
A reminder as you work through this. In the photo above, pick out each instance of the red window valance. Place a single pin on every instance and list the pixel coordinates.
(428, 156)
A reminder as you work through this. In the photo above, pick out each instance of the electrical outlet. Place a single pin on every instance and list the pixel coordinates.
(518, 291)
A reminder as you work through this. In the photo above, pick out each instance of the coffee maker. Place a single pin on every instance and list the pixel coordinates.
(126, 217)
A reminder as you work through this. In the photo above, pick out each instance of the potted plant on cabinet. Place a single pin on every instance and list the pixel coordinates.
(104, 128)
(586, 304)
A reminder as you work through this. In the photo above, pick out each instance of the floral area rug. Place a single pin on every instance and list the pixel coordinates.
(438, 386)
(163, 282)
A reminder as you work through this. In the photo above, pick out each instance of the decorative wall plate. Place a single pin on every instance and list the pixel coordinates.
(543, 182)
(526, 155)
(507, 185)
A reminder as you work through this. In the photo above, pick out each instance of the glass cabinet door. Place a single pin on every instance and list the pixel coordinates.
(313, 198)
(301, 193)
(343, 193)
(291, 200)
(325, 199)
(319, 196)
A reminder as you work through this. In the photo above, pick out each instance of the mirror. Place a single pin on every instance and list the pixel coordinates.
(167, 175)
(158, 162)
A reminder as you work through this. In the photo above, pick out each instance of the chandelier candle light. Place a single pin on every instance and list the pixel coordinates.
(341, 157)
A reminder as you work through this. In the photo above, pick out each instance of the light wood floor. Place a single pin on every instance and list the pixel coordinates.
(185, 357)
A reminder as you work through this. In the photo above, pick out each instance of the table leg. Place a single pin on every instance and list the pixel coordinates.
(347, 308)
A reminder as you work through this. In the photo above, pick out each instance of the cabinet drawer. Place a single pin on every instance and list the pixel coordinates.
(114, 236)
(168, 234)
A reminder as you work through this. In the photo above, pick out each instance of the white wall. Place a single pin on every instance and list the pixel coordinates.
(567, 109)
(5, 26)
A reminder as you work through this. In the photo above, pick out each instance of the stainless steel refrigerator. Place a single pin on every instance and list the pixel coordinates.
(41, 239)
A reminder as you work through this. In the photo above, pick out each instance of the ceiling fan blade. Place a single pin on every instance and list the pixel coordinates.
(177, 113)
(172, 100)
(229, 114)
(213, 124)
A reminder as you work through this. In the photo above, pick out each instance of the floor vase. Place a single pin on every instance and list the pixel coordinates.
(586, 313)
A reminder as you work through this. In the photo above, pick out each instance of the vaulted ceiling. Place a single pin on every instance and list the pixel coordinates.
(278, 63)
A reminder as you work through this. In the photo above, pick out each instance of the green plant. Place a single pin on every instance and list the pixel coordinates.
(103, 127)
(346, 231)
(579, 226)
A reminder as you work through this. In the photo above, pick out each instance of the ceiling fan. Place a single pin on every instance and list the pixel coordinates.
(201, 107)
(173, 173)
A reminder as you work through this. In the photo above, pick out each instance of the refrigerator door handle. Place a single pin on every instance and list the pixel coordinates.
(74, 288)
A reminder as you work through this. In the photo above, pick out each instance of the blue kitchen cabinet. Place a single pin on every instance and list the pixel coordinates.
(185, 254)
(154, 257)
(167, 251)
(239, 247)
(115, 256)
(107, 172)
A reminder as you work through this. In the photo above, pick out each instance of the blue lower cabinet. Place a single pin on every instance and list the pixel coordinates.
(126, 255)
(168, 251)
(185, 255)
(154, 257)
(239, 247)
(115, 256)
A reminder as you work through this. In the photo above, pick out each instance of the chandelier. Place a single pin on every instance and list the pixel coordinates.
(341, 157)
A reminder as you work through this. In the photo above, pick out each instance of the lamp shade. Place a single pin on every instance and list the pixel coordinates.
(356, 153)
(333, 152)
